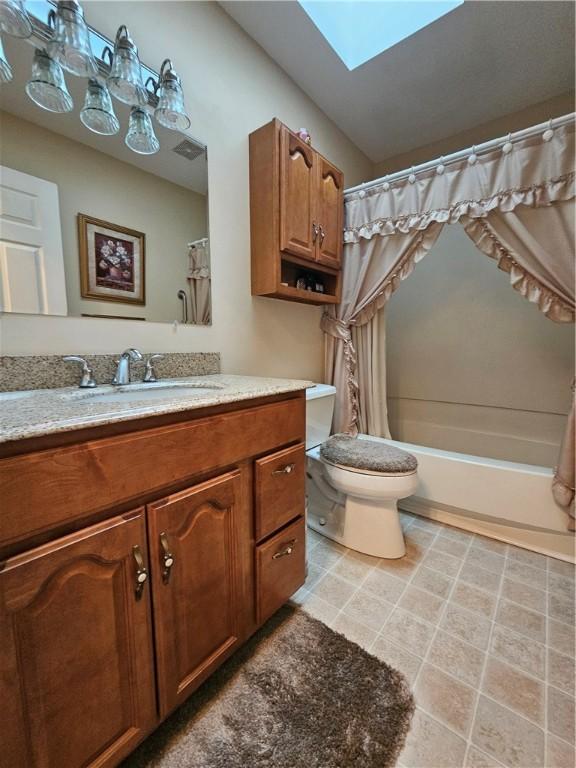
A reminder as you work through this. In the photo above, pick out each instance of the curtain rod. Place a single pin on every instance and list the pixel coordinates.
(194, 243)
(477, 149)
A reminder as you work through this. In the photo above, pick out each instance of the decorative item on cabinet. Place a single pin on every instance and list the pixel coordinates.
(296, 215)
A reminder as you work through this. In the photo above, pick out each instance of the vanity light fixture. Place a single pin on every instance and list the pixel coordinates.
(5, 68)
(70, 43)
(14, 19)
(125, 78)
(97, 114)
(170, 111)
(47, 87)
(141, 137)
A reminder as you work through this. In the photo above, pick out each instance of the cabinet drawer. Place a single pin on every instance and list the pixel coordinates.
(279, 489)
(280, 569)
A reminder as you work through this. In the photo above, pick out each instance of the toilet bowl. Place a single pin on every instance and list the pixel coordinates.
(353, 491)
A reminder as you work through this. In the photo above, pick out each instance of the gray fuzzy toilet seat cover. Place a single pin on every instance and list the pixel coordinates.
(369, 455)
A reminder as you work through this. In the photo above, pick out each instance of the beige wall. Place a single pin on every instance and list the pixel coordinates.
(232, 87)
(93, 183)
(471, 365)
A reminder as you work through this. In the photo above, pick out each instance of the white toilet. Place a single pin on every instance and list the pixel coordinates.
(353, 484)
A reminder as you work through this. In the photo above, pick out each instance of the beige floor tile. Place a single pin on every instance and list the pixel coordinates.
(423, 604)
(561, 637)
(450, 546)
(351, 569)
(402, 568)
(432, 581)
(406, 520)
(415, 550)
(320, 609)
(524, 694)
(487, 560)
(559, 754)
(534, 577)
(368, 609)
(334, 590)
(561, 714)
(470, 627)
(325, 555)
(383, 585)
(445, 698)
(432, 745)
(562, 568)
(561, 671)
(407, 631)
(420, 536)
(315, 573)
(442, 562)
(521, 620)
(511, 739)
(396, 657)
(427, 525)
(479, 577)
(490, 545)
(535, 559)
(300, 596)
(523, 594)
(478, 759)
(561, 608)
(456, 533)
(354, 631)
(456, 657)
(519, 651)
(474, 599)
(560, 585)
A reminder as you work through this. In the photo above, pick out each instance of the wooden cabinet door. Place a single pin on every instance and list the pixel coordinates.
(330, 213)
(297, 196)
(194, 583)
(76, 666)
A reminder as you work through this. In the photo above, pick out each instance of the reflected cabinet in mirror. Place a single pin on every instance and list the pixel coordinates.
(89, 227)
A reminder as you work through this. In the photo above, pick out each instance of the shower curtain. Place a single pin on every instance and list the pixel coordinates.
(199, 282)
(516, 204)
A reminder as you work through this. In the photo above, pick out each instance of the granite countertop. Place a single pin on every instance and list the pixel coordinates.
(48, 411)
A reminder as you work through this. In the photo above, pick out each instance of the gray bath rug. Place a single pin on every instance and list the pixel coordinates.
(297, 695)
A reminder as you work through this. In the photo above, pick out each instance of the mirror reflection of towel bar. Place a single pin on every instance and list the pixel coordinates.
(184, 299)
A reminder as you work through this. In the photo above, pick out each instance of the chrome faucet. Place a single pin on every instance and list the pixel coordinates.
(122, 375)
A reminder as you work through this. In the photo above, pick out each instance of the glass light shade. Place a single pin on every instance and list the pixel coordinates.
(5, 68)
(141, 137)
(125, 78)
(14, 19)
(47, 87)
(97, 114)
(170, 111)
(70, 45)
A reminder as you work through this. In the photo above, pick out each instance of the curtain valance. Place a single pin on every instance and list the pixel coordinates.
(533, 172)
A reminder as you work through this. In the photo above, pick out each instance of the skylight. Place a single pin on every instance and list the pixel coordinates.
(358, 31)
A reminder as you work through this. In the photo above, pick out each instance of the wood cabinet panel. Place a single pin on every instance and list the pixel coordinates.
(297, 196)
(75, 648)
(330, 188)
(193, 542)
(280, 569)
(279, 489)
(42, 490)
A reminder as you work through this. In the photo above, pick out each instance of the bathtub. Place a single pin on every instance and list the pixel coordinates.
(501, 499)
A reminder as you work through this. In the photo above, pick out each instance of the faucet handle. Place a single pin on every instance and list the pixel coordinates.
(87, 381)
(150, 373)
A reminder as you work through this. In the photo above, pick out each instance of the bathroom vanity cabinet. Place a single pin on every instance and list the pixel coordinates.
(134, 559)
(296, 215)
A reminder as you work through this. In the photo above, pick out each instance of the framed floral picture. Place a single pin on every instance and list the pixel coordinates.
(112, 261)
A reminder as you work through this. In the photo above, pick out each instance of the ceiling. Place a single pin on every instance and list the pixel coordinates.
(479, 62)
(192, 174)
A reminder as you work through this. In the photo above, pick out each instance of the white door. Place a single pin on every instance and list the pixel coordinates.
(31, 257)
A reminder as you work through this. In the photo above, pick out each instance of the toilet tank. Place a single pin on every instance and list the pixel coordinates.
(319, 410)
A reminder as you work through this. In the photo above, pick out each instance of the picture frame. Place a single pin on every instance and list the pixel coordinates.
(112, 261)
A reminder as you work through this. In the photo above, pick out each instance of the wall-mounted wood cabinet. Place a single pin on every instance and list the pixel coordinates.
(296, 210)
(117, 603)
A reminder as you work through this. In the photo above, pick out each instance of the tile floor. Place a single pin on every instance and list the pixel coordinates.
(484, 632)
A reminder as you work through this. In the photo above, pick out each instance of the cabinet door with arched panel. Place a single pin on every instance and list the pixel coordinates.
(298, 225)
(76, 670)
(330, 209)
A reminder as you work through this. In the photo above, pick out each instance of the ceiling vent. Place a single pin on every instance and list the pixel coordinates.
(189, 149)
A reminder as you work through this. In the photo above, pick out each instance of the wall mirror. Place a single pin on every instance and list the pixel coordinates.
(89, 227)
